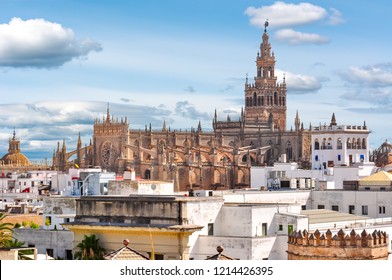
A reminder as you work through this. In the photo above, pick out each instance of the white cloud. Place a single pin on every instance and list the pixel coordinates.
(294, 37)
(41, 44)
(336, 17)
(376, 75)
(188, 110)
(282, 14)
(299, 84)
(370, 84)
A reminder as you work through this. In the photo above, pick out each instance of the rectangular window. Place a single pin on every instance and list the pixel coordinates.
(351, 209)
(49, 252)
(303, 207)
(156, 256)
(335, 207)
(339, 157)
(381, 209)
(320, 206)
(264, 229)
(290, 229)
(68, 255)
(365, 210)
(280, 227)
(211, 229)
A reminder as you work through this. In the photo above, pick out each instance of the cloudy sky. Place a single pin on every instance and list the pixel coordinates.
(63, 61)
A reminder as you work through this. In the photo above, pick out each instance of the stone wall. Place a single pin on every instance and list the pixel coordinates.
(303, 245)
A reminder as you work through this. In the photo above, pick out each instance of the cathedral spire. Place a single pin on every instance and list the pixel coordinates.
(164, 129)
(79, 141)
(108, 114)
(297, 121)
(64, 147)
(333, 120)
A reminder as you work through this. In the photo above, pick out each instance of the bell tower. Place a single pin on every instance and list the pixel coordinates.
(265, 97)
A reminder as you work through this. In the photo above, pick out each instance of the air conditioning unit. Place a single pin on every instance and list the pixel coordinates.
(203, 193)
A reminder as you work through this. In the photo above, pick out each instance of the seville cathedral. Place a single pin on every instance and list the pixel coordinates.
(220, 158)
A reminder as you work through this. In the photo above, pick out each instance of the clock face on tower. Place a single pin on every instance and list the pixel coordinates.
(108, 154)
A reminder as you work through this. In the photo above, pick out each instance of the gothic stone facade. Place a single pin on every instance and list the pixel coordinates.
(198, 159)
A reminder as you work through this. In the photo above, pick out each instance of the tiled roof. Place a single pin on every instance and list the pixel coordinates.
(378, 178)
(125, 253)
(220, 256)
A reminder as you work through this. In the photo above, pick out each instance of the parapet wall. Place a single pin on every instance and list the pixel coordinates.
(303, 245)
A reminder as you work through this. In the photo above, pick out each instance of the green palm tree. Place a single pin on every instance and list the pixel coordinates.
(5, 230)
(24, 254)
(89, 249)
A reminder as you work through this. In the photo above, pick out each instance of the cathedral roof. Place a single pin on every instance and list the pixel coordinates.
(15, 158)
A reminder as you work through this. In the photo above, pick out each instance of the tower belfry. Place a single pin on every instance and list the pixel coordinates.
(265, 96)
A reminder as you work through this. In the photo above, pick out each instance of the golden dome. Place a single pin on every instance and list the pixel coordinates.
(14, 156)
(15, 159)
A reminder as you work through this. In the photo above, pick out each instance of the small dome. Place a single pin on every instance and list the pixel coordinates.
(15, 159)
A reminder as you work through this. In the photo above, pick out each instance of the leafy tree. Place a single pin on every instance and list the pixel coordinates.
(17, 225)
(34, 225)
(5, 230)
(89, 249)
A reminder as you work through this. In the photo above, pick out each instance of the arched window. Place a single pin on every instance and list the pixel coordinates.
(339, 144)
(289, 151)
(363, 143)
(254, 99)
(329, 143)
(354, 143)
(349, 146)
(316, 144)
(324, 144)
(275, 98)
(262, 101)
(359, 143)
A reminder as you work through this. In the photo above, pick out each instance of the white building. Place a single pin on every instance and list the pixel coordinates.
(288, 176)
(339, 145)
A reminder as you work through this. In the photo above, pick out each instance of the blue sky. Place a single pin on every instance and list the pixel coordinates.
(62, 61)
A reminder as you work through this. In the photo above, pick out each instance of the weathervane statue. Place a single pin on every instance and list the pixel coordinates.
(265, 25)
